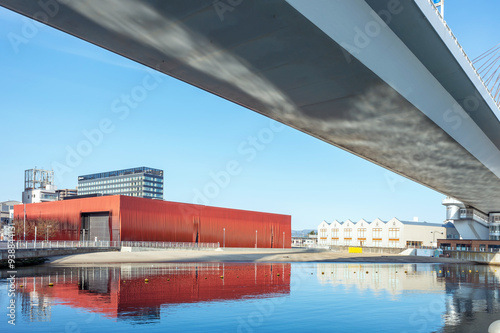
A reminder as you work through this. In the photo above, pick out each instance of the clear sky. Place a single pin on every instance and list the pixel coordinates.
(56, 90)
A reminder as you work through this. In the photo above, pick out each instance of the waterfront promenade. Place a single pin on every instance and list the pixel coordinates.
(243, 255)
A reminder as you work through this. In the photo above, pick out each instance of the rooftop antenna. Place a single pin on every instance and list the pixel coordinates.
(439, 5)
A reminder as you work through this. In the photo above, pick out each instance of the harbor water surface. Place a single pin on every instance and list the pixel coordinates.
(248, 297)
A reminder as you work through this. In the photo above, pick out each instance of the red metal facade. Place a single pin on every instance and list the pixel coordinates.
(138, 219)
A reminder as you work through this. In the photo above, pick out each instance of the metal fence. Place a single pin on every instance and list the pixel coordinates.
(470, 249)
(60, 244)
(169, 245)
(104, 244)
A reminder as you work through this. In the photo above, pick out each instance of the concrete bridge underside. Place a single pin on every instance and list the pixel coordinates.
(376, 78)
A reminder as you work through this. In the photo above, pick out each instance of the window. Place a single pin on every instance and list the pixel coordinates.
(394, 233)
(377, 233)
(393, 243)
(362, 233)
(348, 233)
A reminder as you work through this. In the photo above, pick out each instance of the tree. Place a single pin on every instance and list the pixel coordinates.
(45, 228)
(313, 232)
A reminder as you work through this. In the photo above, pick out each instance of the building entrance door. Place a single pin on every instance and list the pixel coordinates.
(95, 226)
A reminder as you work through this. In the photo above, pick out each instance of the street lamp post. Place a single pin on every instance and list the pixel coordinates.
(224, 238)
(24, 224)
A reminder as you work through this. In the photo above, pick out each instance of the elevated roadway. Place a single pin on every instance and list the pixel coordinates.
(383, 79)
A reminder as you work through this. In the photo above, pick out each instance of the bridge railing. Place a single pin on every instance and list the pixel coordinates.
(463, 52)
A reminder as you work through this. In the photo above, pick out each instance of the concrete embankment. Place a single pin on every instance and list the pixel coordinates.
(478, 257)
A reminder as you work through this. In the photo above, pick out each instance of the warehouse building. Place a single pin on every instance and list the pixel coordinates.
(125, 218)
(392, 233)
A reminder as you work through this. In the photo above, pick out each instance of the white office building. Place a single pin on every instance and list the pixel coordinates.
(393, 233)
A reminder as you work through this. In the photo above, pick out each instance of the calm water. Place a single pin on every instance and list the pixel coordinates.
(254, 298)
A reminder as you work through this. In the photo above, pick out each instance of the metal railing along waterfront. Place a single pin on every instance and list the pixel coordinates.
(105, 244)
(169, 245)
(469, 249)
(61, 244)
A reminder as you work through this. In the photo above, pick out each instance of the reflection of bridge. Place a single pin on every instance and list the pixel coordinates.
(384, 80)
(121, 291)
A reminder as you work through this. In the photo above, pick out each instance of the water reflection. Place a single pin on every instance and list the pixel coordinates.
(394, 279)
(471, 294)
(121, 291)
(258, 297)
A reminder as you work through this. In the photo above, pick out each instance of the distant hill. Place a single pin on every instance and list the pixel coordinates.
(301, 233)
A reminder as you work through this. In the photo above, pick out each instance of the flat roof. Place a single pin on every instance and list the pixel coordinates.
(123, 172)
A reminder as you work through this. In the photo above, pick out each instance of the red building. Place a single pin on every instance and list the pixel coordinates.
(123, 218)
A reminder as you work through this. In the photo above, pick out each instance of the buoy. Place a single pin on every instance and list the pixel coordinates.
(470, 271)
(223, 276)
(20, 286)
(146, 280)
(205, 278)
(406, 272)
(321, 273)
(354, 272)
(494, 327)
(51, 284)
(366, 272)
(439, 272)
(168, 279)
(279, 274)
(239, 277)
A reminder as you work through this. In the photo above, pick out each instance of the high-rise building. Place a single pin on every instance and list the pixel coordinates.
(140, 182)
(39, 186)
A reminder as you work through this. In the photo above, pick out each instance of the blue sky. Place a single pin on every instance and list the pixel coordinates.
(57, 90)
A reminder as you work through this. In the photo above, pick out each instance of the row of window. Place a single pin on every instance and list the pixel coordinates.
(120, 180)
(374, 242)
(362, 233)
(120, 187)
(136, 191)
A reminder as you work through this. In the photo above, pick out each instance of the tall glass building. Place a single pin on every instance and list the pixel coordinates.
(139, 182)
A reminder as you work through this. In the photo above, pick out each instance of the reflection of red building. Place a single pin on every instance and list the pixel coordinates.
(118, 293)
(137, 219)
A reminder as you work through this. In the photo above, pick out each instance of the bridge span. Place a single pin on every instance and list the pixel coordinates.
(383, 79)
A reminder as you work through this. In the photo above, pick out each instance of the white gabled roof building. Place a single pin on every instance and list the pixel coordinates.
(378, 233)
